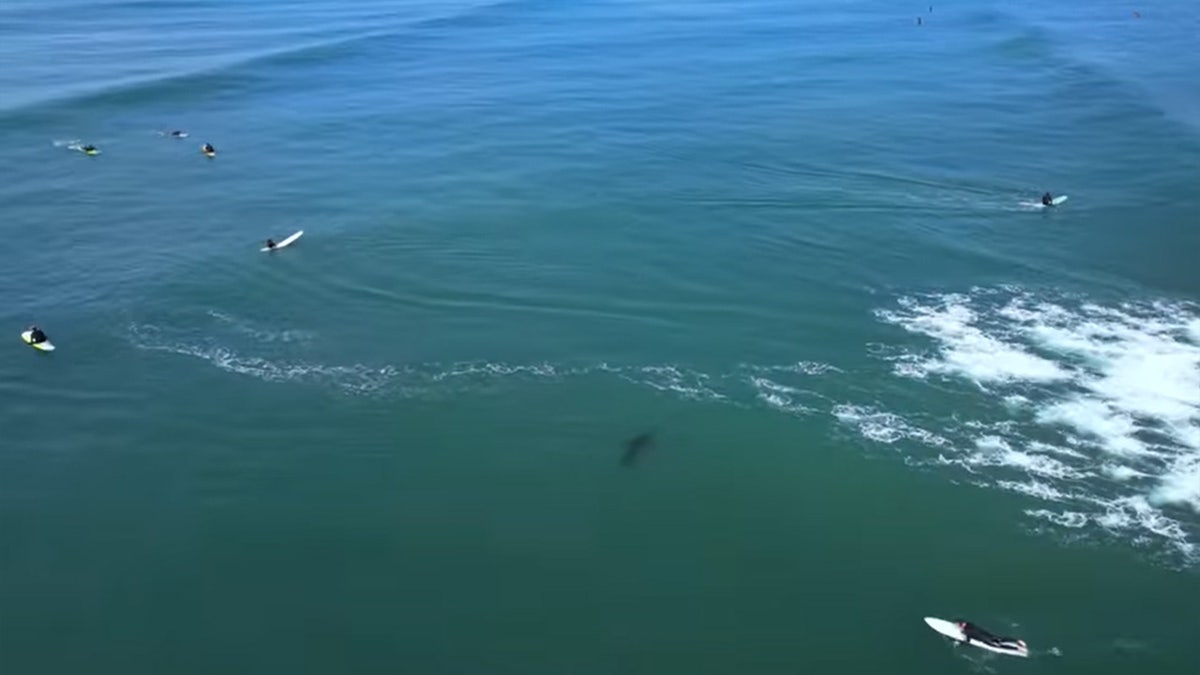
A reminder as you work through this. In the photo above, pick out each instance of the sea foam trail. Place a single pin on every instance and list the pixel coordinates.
(1091, 411)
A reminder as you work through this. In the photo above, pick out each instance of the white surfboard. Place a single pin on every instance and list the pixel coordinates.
(46, 346)
(952, 631)
(79, 148)
(286, 242)
(1057, 201)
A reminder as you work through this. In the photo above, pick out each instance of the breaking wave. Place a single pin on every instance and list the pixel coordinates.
(1100, 403)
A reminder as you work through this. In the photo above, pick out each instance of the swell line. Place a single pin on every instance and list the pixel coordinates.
(241, 68)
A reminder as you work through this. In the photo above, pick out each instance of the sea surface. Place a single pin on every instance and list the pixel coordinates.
(790, 245)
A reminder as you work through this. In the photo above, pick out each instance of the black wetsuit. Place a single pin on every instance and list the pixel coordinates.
(1047, 200)
(36, 336)
(973, 632)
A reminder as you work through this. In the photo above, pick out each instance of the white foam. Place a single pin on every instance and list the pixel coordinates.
(1181, 484)
(491, 370)
(1016, 401)
(1140, 364)
(1103, 403)
(357, 378)
(1136, 510)
(1034, 489)
(1071, 519)
(808, 368)
(1193, 331)
(676, 379)
(779, 396)
(1047, 448)
(993, 444)
(885, 427)
(1122, 473)
(797, 368)
(1114, 430)
(1041, 465)
(685, 382)
(350, 378)
(964, 348)
(996, 451)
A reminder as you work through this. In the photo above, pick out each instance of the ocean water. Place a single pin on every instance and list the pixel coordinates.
(792, 241)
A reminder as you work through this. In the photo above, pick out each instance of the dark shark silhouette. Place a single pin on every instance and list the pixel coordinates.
(635, 447)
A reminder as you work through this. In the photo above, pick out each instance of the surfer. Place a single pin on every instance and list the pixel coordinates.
(208, 149)
(36, 336)
(89, 149)
(178, 134)
(972, 632)
(270, 243)
(1047, 199)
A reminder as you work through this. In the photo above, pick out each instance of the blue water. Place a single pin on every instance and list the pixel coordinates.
(792, 241)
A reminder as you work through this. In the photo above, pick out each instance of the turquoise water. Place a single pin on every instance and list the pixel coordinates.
(790, 240)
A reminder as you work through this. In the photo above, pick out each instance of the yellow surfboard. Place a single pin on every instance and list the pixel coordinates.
(46, 346)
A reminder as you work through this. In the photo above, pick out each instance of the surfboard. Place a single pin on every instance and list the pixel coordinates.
(1057, 201)
(286, 242)
(46, 346)
(952, 631)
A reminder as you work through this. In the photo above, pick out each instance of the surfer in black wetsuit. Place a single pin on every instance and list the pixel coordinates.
(1047, 199)
(270, 243)
(973, 632)
(209, 149)
(178, 134)
(36, 336)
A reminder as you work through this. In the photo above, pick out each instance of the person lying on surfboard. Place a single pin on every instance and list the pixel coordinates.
(88, 149)
(972, 632)
(36, 336)
(270, 243)
(1047, 199)
(209, 149)
(178, 134)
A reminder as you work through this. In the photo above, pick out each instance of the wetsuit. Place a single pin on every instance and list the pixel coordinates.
(973, 632)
